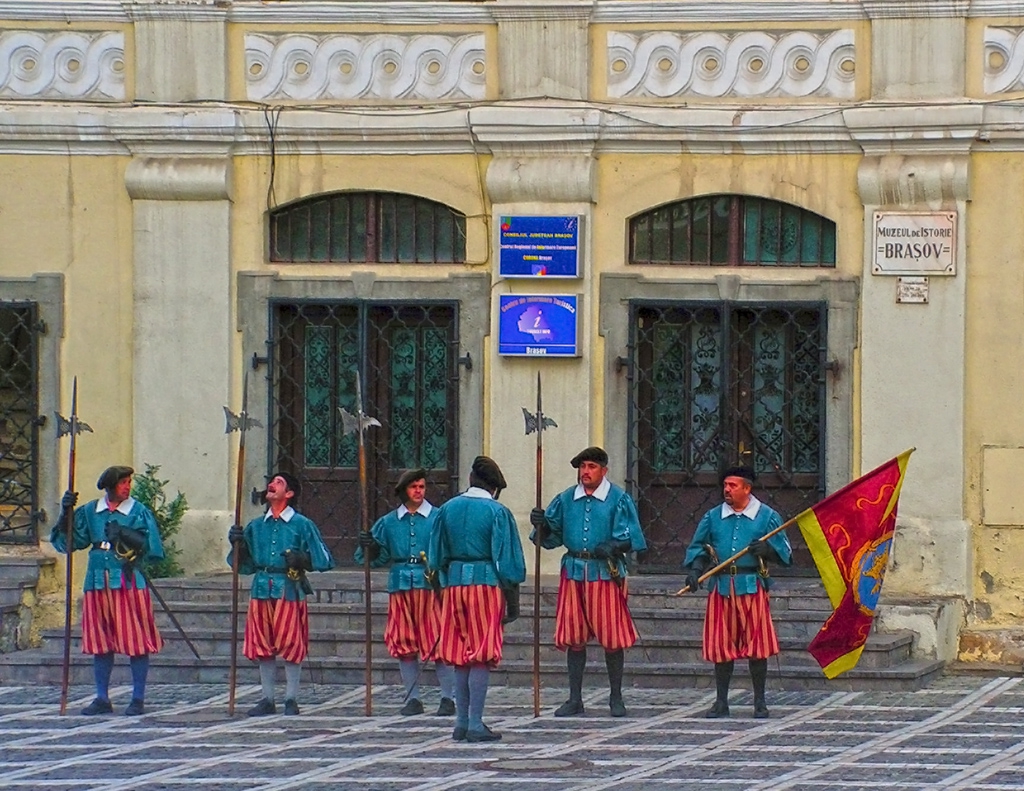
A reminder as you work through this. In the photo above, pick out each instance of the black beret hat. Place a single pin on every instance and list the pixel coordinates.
(408, 477)
(291, 482)
(739, 472)
(487, 471)
(112, 476)
(593, 453)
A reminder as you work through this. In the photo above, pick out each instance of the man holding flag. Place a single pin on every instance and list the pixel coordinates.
(738, 621)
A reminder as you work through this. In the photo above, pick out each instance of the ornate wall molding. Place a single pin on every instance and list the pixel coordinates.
(65, 64)
(758, 64)
(1004, 59)
(372, 66)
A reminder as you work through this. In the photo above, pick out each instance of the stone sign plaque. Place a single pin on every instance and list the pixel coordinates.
(914, 243)
(912, 290)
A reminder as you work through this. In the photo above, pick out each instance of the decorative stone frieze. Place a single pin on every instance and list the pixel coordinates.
(62, 64)
(386, 66)
(1004, 59)
(761, 64)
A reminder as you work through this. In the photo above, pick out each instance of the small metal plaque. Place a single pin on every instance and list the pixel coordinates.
(912, 290)
(914, 243)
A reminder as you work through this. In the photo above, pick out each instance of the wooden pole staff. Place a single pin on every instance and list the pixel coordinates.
(359, 422)
(538, 487)
(74, 427)
(241, 423)
(536, 421)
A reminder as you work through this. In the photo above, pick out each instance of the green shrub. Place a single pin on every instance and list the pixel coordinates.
(148, 489)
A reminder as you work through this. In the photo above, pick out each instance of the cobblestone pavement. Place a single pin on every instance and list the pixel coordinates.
(960, 733)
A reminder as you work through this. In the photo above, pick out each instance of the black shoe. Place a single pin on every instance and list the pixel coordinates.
(262, 709)
(617, 706)
(459, 734)
(720, 709)
(570, 708)
(446, 708)
(135, 708)
(291, 708)
(411, 708)
(98, 707)
(484, 735)
(761, 710)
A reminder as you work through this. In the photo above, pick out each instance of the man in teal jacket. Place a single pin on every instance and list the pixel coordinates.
(738, 622)
(117, 612)
(597, 523)
(400, 538)
(278, 548)
(477, 554)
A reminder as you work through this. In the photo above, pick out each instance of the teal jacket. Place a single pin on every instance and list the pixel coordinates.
(475, 541)
(267, 537)
(729, 532)
(90, 530)
(401, 535)
(580, 521)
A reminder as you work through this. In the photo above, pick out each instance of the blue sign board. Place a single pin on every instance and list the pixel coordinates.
(538, 325)
(539, 246)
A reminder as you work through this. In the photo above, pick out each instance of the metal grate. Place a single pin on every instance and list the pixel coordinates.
(732, 230)
(718, 384)
(19, 423)
(407, 356)
(368, 226)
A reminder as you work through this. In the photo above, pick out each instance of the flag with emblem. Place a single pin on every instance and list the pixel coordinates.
(850, 536)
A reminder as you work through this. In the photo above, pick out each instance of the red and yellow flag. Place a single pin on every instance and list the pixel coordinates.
(850, 535)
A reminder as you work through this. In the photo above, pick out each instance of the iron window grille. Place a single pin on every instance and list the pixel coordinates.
(380, 227)
(19, 423)
(732, 230)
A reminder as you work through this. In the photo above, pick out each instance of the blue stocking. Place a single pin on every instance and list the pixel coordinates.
(140, 668)
(102, 666)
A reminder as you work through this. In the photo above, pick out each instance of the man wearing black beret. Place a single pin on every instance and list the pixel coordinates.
(117, 611)
(476, 552)
(738, 622)
(400, 538)
(598, 524)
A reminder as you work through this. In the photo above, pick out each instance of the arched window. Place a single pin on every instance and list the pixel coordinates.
(379, 227)
(732, 230)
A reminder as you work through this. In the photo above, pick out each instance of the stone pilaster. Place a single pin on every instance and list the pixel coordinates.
(182, 345)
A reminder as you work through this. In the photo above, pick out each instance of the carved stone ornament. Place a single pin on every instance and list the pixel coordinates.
(1004, 59)
(427, 67)
(65, 64)
(668, 64)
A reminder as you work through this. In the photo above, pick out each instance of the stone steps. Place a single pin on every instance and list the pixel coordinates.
(667, 655)
(18, 573)
(882, 650)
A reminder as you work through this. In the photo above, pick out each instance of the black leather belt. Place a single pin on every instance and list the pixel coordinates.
(732, 570)
(103, 546)
(273, 569)
(584, 555)
(415, 561)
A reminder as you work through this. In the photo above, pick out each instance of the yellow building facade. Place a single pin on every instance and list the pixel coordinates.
(199, 194)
